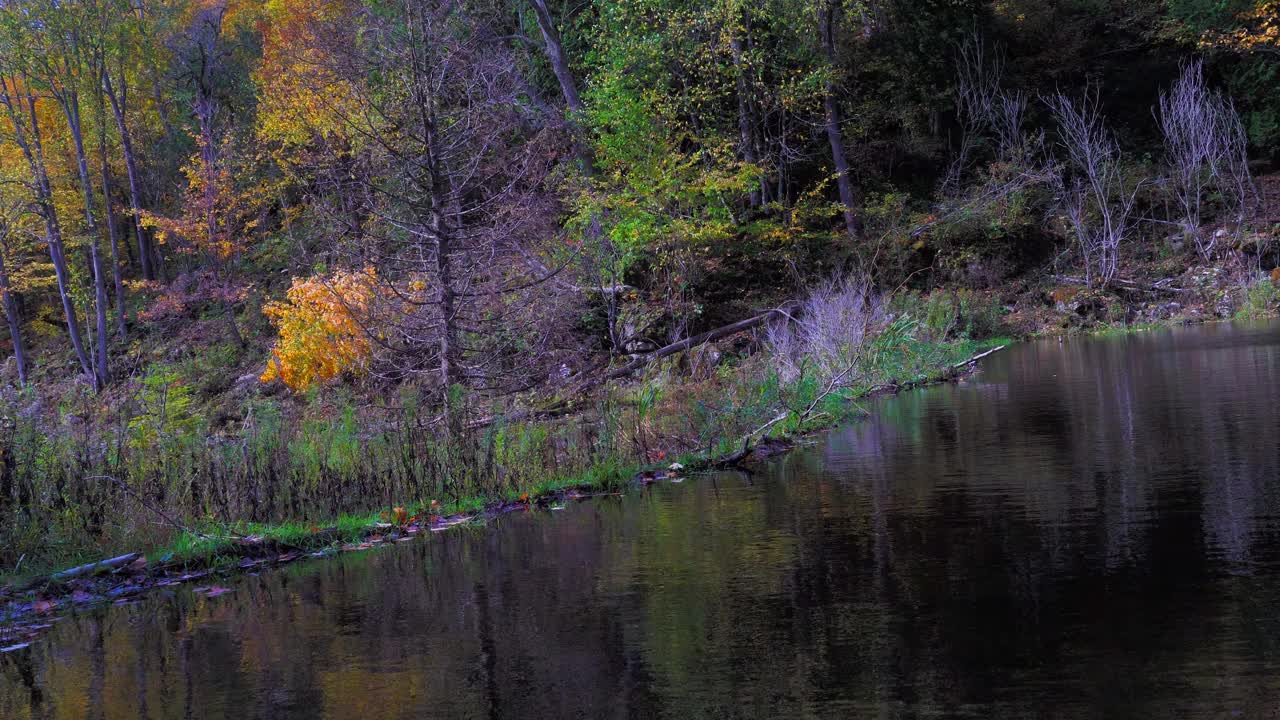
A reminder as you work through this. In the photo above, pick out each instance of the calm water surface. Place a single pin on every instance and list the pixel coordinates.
(1081, 530)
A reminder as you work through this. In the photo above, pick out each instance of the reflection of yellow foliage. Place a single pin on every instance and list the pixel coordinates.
(321, 335)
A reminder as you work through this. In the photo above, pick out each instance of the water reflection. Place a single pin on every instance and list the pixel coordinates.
(1084, 529)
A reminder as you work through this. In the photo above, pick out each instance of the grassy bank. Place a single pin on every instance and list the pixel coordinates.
(921, 364)
(196, 467)
(149, 472)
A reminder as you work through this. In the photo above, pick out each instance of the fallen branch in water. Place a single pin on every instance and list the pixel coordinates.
(978, 357)
(833, 386)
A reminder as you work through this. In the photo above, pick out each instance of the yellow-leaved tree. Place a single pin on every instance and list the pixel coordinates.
(322, 330)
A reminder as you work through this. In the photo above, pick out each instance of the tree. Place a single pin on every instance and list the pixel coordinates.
(8, 219)
(57, 64)
(123, 41)
(1097, 198)
(827, 24)
(21, 106)
(1206, 150)
(447, 169)
(555, 52)
(226, 192)
(322, 329)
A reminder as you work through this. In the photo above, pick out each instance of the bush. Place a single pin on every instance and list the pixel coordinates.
(953, 314)
(827, 333)
(1260, 298)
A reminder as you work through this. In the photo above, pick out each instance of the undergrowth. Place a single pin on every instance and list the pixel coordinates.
(126, 477)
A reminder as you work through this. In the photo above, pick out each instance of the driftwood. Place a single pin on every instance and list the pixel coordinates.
(978, 357)
(696, 340)
(108, 564)
(81, 570)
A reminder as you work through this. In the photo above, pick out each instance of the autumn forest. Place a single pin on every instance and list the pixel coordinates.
(282, 266)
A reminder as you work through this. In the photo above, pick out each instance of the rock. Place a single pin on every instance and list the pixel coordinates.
(1224, 307)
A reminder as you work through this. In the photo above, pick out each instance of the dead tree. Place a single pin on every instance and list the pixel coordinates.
(1096, 198)
(447, 167)
(978, 73)
(1206, 152)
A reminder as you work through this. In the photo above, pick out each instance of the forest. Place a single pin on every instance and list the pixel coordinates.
(275, 266)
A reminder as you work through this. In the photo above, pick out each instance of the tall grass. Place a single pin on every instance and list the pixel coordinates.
(88, 477)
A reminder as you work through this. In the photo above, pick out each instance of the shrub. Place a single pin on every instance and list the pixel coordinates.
(827, 333)
(1260, 298)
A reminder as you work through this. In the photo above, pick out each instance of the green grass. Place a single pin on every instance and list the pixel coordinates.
(219, 546)
(751, 390)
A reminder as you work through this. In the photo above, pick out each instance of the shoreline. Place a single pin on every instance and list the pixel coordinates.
(194, 556)
(200, 554)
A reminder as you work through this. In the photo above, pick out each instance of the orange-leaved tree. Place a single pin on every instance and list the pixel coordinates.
(322, 326)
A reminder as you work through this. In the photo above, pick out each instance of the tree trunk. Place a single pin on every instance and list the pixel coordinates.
(70, 103)
(56, 253)
(145, 256)
(449, 367)
(844, 182)
(15, 322)
(568, 86)
(27, 135)
(746, 118)
(113, 230)
(555, 54)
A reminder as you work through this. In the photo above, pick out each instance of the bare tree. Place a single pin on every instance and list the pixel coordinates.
(1206, 151)
(1008, 120)
(447, 170)
(1235, 181)
(1096, 198)
(978, 71)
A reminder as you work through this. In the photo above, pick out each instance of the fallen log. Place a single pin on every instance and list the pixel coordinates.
(1160, 286)
(702, 339)
(81, 571)
(108, 564)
